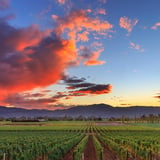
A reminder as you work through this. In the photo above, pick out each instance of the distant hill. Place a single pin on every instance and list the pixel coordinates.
(95, 110)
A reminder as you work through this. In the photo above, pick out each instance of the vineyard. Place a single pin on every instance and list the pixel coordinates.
(78, 141)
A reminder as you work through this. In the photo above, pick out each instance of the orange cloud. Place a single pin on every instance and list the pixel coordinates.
(127, 23)
(31, 58)
(77, 25)
(136, 47)
(77, 21)
(43, 65)
(83, 36)
(156, 26)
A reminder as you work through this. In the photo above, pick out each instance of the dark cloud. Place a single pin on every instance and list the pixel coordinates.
(90, 57)
(95, 89)
(72, 80)
(157, 97)
(38, 95)
(85, 52)
(81, 87)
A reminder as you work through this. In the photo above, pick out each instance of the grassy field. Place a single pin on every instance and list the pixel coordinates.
(154, 125)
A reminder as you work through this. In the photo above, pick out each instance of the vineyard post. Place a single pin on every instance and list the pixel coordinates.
(127, 154)
(82, 156)
(102, 155)
(150, 153)
(4, 156)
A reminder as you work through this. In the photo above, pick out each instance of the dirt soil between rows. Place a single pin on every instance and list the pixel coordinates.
(90, 151)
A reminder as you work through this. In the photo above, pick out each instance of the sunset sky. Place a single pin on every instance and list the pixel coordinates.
(59, 53)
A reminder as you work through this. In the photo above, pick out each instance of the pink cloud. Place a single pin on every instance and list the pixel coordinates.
(136, 47)
(156, 26)
(30, 100)
(45, 11)
(103, 1)
(4, 4)
(61, 1)
(96, 44)
(127, 23)
(100, 11)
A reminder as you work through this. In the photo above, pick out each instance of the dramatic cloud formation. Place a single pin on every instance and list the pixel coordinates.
(78, 21)
(4, 4)
(136, 47)
(45, 99)
(127, 23)
(156, 26)
(30, 59)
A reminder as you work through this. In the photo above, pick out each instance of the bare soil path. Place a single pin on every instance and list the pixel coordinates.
(90, 152)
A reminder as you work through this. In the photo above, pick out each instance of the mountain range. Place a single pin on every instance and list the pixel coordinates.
(95, 110)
